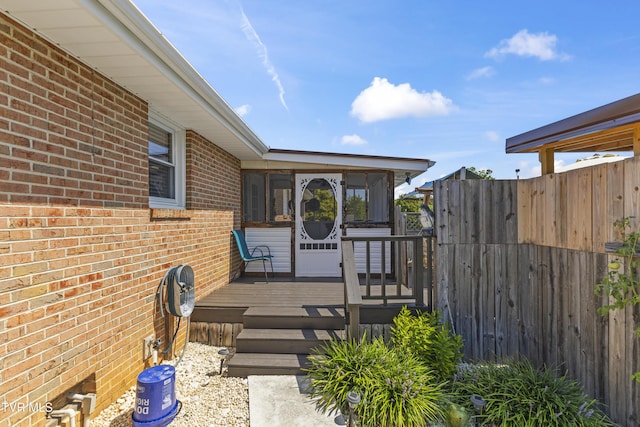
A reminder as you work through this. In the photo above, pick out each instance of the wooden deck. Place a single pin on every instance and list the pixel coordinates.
(230, 302)
(274, 326)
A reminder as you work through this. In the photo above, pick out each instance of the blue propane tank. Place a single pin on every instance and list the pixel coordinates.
(156, 404)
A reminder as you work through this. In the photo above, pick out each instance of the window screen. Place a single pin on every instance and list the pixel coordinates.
(253, 197)
(280, 203)
(356, 203)
(367, 197)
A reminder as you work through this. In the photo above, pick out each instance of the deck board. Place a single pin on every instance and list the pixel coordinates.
(283, 294)
(275, 294)
(229, 302)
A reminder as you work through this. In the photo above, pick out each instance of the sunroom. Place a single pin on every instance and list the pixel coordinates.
(302, 203)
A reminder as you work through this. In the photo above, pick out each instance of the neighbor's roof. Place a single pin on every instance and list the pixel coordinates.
(428, 186)
(611, 127)
(590, 161)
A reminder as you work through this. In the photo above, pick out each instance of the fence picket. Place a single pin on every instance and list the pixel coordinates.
(517, 262)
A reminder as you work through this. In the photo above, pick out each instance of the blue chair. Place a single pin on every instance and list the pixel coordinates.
(249, 256)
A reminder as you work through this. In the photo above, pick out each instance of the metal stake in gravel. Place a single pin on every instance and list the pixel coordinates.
(224, 353)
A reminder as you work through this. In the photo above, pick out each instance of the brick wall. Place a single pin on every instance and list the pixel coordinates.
(77, 289)
(81, 255)
(211, 183)
(68, 135)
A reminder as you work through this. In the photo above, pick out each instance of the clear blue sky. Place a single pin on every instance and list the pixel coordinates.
(444, 80)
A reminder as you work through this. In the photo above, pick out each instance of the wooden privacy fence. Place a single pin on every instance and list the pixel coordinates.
(517, 265)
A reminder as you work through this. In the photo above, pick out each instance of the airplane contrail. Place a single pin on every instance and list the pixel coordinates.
(252, 35)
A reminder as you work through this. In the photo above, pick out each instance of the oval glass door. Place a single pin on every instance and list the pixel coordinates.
(318, 209)
(318, 219)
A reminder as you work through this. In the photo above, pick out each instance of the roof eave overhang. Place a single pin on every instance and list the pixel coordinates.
(140, 59)
(617, 114)
(402, 167)
(167, 58)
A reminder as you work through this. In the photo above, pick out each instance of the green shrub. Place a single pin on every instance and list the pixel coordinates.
(396, 389)
(519, 395)
(429, 340)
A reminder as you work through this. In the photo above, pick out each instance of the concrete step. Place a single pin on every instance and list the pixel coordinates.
(294, 318)
(292, 341)
(245, 364)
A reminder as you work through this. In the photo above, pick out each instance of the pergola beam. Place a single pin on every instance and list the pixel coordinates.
(611, 127)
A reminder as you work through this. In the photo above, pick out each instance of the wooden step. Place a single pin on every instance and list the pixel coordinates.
(294, 318)
(245, 364)
(293, 341)
(217, 314)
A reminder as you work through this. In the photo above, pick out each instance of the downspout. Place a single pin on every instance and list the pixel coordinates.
(87, 405)
(64, 413)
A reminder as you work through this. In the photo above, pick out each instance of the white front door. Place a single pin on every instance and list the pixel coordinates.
(318, 220)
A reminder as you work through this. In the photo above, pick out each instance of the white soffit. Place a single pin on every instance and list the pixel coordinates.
(345, 160)
(290, 159)
(116, 39)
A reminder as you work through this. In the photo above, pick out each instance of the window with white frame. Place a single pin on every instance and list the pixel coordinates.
(166, 165)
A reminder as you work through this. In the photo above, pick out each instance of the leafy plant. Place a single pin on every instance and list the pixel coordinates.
(621, 283)
(396, 389)
(429, 340)
(517, 394)
(409, 204)
(483, 173)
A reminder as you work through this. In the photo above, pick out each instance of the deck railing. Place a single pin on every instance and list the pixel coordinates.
(352, 297)
(406, 284)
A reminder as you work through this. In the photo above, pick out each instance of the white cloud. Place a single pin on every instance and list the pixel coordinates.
(353, 140)
(243, 110)
(252, 35)
(524, 43)
(484, 72)
(492, 136)
(383, 100)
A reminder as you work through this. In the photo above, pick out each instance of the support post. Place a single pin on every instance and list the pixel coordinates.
(545, 156)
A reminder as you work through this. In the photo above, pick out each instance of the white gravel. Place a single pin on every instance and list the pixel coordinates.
(208, 399)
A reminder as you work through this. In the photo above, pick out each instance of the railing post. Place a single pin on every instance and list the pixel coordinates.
(419, 271)
(368, 267)
(383, 271)
(352, 295)
(430, 271)
(354, 321)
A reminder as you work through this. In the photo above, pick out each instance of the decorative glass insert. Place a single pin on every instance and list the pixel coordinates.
(318, 209)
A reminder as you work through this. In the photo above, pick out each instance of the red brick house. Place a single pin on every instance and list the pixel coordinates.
(118, 161)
